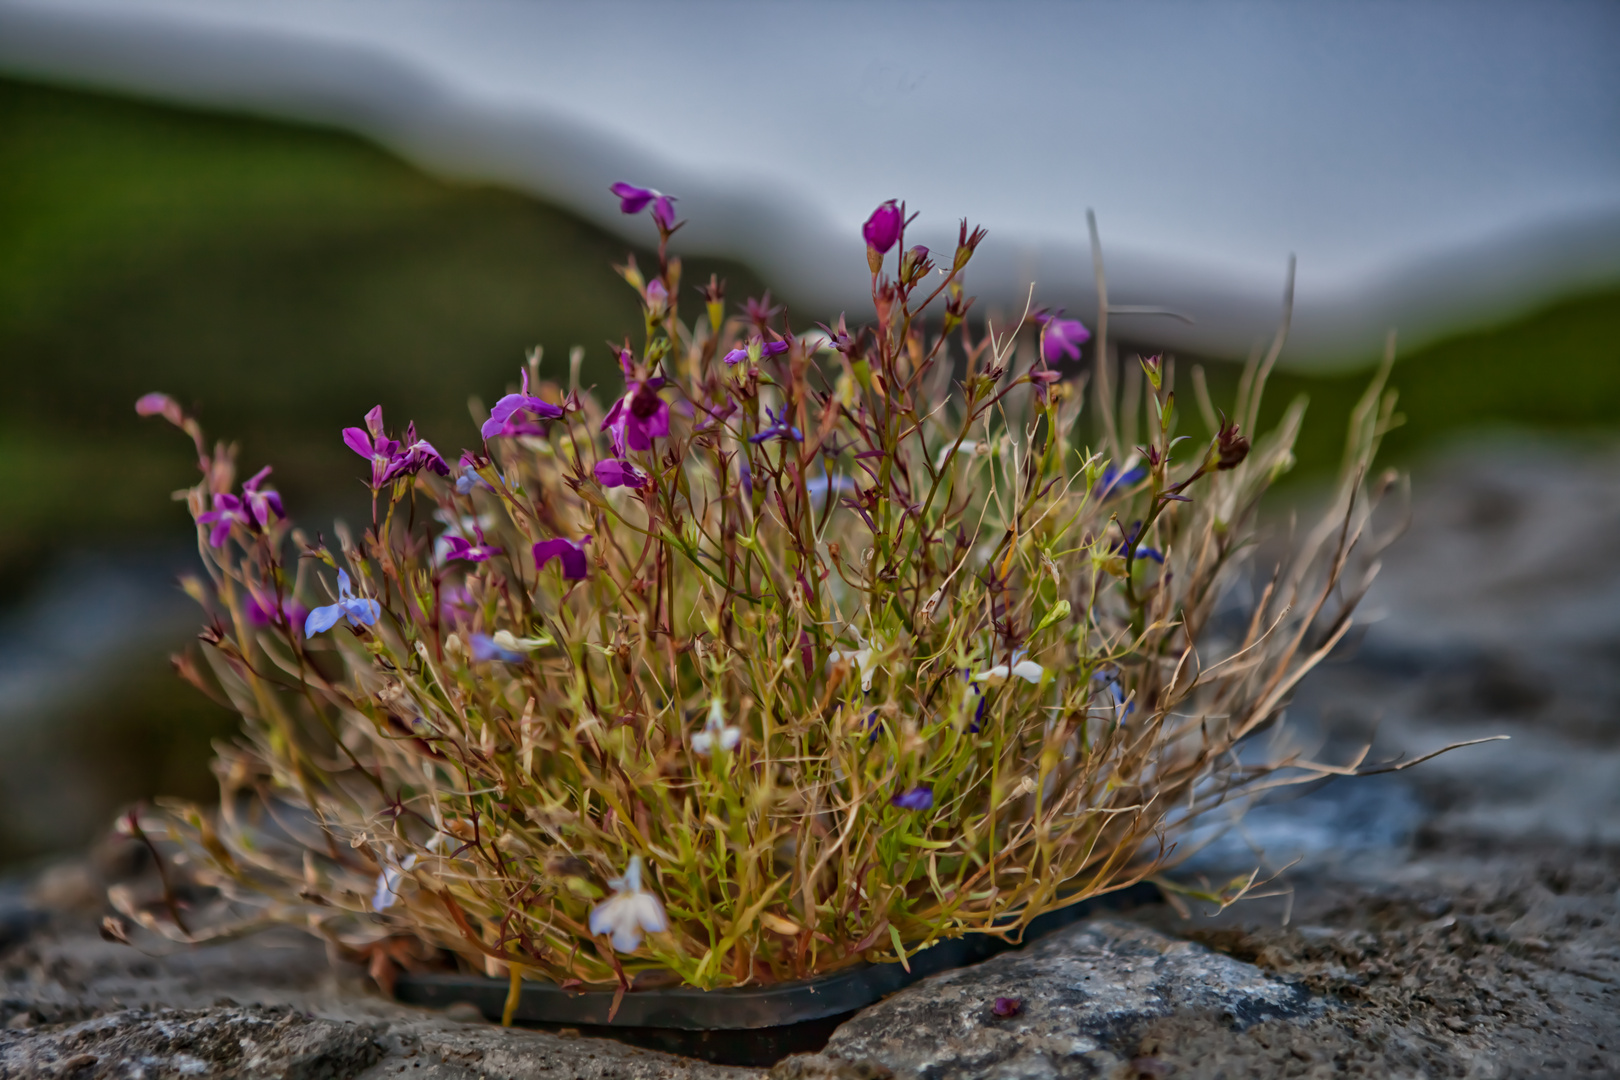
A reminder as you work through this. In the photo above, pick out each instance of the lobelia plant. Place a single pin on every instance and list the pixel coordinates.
(804, 649)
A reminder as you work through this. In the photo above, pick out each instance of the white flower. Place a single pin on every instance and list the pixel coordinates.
(1028, 670)
(629, 912)
(388, 881)
(864, 659)
(716, 732)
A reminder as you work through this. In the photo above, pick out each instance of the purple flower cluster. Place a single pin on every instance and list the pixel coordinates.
(257, 505)
(764, 349)
(391, 459)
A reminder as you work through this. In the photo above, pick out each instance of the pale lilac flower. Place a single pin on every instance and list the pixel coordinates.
(358, 610)
(920, 797)
(716, 732)
(469, 477)
(637, 418)
(571, 554)
(818, 487)
(388, 882)
(160, 405)
(227, 511)
(656, 297)
(456, 604)
(264, 504)
(629, 912)
(882, 229)
(519, 414)
(612, 473)
(485, 648)
(1061, 338)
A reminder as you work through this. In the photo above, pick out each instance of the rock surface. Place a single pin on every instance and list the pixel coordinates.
(1070, 1000)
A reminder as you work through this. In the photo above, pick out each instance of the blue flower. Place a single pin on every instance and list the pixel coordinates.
(1113, 478)
(485, 648)
(779, 429)
(1129, 546)
(920, 797)
(817, 487)
(358, 610)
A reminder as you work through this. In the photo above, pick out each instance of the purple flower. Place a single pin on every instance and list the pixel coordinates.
(227, 511)
(486, 648)
(373, 444)
(778, 428)
(358, 610)
(456, 604)
(632, 199)
(519, 414)
(638, 418)
(612, 473)
(263, 610)
(882, 229)
(766, 349)
(657, 297)
(1113, 478)
(1006, 1007)
(1061, 338)
(663, 212)
(418, 454)
(920, 797)
(570, 552)
(457, 547)
(263, 504)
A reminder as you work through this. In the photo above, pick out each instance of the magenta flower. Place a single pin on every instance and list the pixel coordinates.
(570, 552)
(357, 610)
(227, 511)
(882, 229)
(519, 414)
(638, 418)
(612, 473)
(263, 504)
(633, 200)
(372, 444)
(458, 547)
(1061, 338)
(418, 454)
(656, 297)
(920, 797)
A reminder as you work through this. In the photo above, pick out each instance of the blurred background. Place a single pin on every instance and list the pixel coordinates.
(284, 214)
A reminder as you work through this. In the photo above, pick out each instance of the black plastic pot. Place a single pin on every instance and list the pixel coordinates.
(747, 1026)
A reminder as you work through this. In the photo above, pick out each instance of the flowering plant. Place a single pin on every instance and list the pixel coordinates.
(802, 648)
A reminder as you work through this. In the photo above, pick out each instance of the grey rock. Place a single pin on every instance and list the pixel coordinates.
(1083, 992)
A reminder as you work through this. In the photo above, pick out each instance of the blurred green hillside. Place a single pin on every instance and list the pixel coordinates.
(283, 279)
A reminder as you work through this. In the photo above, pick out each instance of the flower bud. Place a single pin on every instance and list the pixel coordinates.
(1231, 446)
(882, 229)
